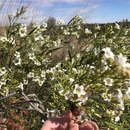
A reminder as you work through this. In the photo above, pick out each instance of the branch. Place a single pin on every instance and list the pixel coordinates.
(43, 116)
(10, 95)
(32, 105)
(17, 103)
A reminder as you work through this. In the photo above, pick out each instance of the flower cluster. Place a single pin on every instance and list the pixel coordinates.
(92, 75)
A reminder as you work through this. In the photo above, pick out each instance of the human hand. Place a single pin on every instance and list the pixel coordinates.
(66, 122)
(89, 125)
(63, 122)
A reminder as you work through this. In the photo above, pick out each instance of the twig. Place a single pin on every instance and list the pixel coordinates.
(32, 105)
(17, 103)
(43, 116)
(9, 95)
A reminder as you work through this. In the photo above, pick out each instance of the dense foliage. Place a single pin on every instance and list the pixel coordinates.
(91, 73)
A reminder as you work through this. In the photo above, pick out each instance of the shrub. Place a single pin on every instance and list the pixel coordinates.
(93, 76)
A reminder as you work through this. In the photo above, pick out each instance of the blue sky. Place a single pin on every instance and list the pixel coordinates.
(93, 11)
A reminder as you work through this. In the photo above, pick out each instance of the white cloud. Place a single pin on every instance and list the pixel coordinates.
(4, 19)
(47, 3)
(85, 10)
(102, 20)
(74, 1)
(35, 12)
(67, 13)
(53, 1)
(42, 3)
(68, 1)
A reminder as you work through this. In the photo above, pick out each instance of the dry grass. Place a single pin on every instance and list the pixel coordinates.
(2, 31)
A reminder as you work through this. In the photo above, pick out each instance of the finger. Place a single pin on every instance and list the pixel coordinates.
(46, 126)
(89, 126)
(94, 125)
(86, 127)
(73, 126)
(68, 115)
(69, 119)
(77, 112)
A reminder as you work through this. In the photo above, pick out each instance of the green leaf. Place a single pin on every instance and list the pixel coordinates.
(115, 126)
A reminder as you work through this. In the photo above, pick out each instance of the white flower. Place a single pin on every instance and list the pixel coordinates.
(59, 41)
(87, 31)
(31, 56)
(3, 39)
(21, 86)
(43, 27)
(12, 40)
(95, 35)
(120, 95)
(78, 55)
(23, 30)
(121, 105)
(106, 67)
(58, 65)
(82, 99)
(71, 80)
(60, 71)
(60, 21)
(122, 60)
(30, 75)
(40, 82)
(127, 66)
(117, 119)
(126, 32)
(36, 79)
(110, 40)
(117, 26)
(2, 71)
(53, 79)
(17, 61)
(108, 81)
(97, 27)
(43, 120)
(92, 67)
(66, 32)
(17, 54)
(106, 97)
(68, 95)
(108, 53)
(120, 99)
(110, 112)
(104, 38)
(128, 82)
(76, 34)
(79, 90)
(75, 70)
(61, 92)
(55, 44)
(43, 74)
(51, 70)
(36, 62)
(79, 27)
(25, 82)
(2, 82)
(51, 113)
(103, 63)
(38, 38)
(128, 93)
